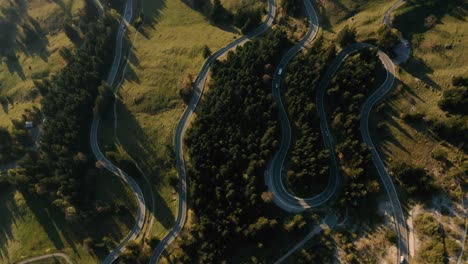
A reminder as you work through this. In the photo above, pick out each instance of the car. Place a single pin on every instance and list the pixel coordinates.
(280, 71)
(277, 85)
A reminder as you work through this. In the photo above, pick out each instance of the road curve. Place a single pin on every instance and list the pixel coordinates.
(387, 181)
(53, 255)
(403, 49)
(128, 14)
(99, 7)
(298, 204)
(274, 172)
(141, 207)
(183, 123)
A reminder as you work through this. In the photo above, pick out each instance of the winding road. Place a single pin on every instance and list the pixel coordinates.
(275, 169)
(403, 49)
(274, 172)
(141, 211)
(184, 121)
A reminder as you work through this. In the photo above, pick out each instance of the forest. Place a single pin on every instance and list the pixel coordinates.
(234, 134)
(347, 91)
(64, 165)
(308, 171)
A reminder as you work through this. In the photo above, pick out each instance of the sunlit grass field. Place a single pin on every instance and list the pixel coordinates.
(439, 54)
(168, 48)
(36, 59)
(31, 227)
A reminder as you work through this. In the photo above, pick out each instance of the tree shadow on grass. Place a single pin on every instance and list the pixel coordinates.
(65, 8)
(140, 147)
(14, 66)
(59, 230)
(205, 11)
(20, 33)
(420, 70)
(8, 211)
(152, 12)
(51, 220)
(415, 19)
(324, 20)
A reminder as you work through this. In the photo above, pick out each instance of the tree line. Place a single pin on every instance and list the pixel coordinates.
(63, 169)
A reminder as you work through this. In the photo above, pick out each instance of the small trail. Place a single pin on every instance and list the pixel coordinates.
(53, 255)
(309, 236)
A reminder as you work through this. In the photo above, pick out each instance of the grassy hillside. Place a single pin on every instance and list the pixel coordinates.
(366, 16)
(167, 54)
(30, 227)
(439, 54)
(31, 37)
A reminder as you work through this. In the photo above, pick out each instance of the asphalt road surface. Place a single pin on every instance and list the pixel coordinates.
(275, 168)
(182, 126)
(128, 14)
(141, 211)
(399, 217)
(403, 49)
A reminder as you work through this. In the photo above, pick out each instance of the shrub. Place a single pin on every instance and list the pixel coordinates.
(346, 36)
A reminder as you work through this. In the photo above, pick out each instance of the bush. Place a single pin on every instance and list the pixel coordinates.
(293, 7)
(153, 241)
(455, 100)
(387, 38)
(206, 52)
(460, 81)
(414, 180)
(391, 236)
(412, 116)
(71, 32)
(346, 36)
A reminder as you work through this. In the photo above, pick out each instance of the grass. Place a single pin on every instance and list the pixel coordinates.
(31, 227)
(422, 81)
(36, 58)
(365, 16)
(169, 47)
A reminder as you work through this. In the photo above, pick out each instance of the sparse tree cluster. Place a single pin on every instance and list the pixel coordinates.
(387, 38)
(415, 181)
